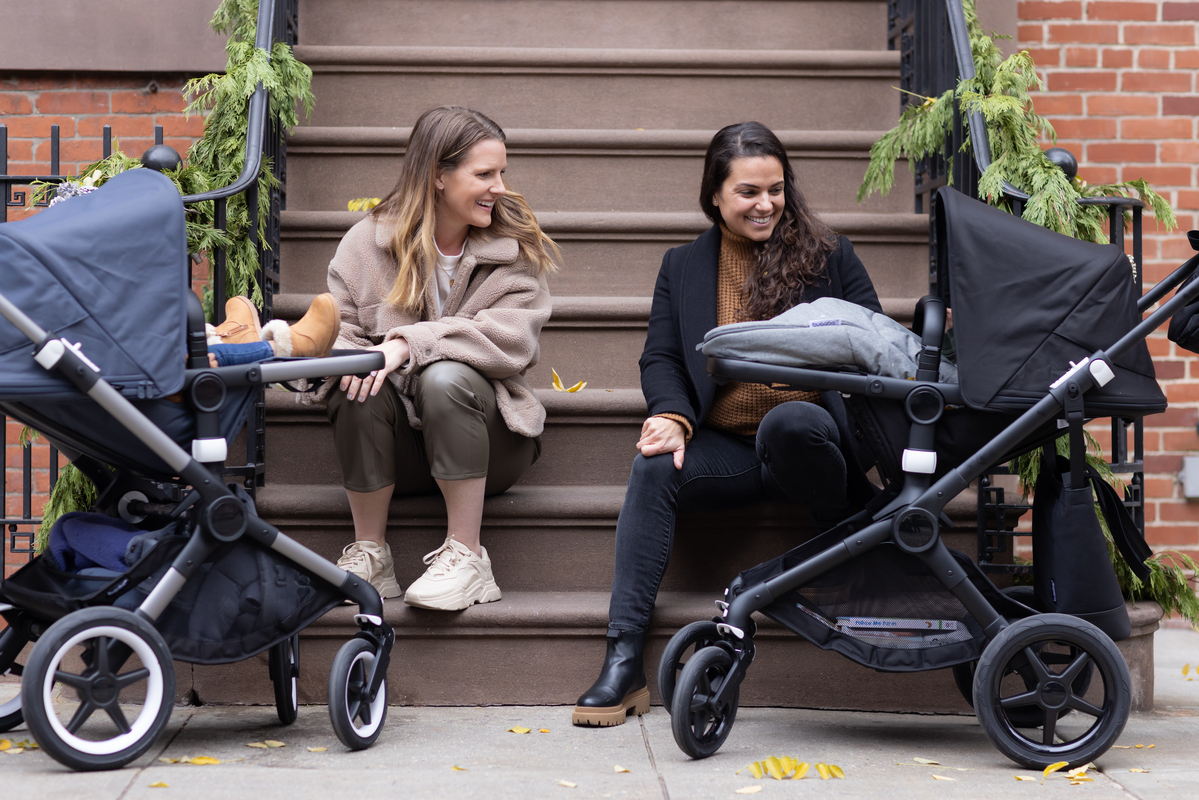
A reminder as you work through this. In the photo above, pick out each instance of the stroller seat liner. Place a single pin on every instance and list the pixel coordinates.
(827, 332)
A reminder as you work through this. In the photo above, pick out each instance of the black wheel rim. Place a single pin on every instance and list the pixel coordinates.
(707, 719)
(1053, 684)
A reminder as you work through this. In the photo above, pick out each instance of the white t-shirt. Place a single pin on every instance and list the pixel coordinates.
(447, 268)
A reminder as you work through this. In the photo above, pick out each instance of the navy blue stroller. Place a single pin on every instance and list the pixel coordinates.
(103, 352)
(1048, 334)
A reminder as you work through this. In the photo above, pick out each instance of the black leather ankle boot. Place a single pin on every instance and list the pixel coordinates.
(621, 686)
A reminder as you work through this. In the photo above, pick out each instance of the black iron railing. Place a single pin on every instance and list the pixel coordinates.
(935, 54)
(277, 22)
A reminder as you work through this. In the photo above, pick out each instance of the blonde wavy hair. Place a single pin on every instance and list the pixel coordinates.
(440, 142)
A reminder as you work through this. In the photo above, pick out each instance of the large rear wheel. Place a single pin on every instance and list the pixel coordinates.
(1016, 678)
(98, 688)
(284, 664)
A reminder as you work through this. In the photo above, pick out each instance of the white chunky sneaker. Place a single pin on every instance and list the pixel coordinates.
(455, 579)
(373, 564)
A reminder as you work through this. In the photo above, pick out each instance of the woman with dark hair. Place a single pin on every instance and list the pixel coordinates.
(708, 447)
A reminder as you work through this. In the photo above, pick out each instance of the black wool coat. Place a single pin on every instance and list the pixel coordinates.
(674, 376)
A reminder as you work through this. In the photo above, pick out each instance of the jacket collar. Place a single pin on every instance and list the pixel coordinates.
(699, 304)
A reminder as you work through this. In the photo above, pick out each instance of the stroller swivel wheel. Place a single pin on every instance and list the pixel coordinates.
(1022, 673)
(284, 663)
(11, 644)
(693, 638)
(98, 688)
(699, 724)
(356, 721)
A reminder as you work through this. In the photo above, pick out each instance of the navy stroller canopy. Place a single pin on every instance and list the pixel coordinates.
(107, 270)
(1027, 302)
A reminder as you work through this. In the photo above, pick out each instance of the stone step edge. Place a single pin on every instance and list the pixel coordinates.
(895, 227)
(529, 613)
(333, 58)
(328, 138)
(581, 311)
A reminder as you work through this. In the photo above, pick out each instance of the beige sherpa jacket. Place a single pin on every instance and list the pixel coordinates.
(491, 321)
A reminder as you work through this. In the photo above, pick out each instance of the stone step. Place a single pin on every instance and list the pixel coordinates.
(586, 170)
(545, 648)
(812, 24)
(615, 253)
(593, 339)
(524, 87)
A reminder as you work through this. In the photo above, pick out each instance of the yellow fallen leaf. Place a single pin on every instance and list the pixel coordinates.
(543, 730)
(274, 743)
(619, 768)
(317, 749)
(755, 769)
(519, 729)
(941, 778)
(1151, 747)
(1186, 668)
(1138, 746)
(5, 744)
(258, 745)
(1121, 747)
(166, 760)
(27, 744)
(836, 771)
(749, 789)
(1052, 768)
(204, 760)
(1080, 781)
(15, 751)
(458, 769)
(160, 785)
(774, 767)
(568, 784)
(801, 769)
(1078, 772)
(559, 387)
(823, 769)
(1138, 769)
(926, 761)
(1024, 778)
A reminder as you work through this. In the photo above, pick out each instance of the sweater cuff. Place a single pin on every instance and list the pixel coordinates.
(679, 418)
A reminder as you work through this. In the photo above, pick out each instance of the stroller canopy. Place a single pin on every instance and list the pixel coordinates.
(106, 270)
(1027, 302)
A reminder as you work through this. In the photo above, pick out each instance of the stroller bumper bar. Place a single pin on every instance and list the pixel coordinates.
(826, 380)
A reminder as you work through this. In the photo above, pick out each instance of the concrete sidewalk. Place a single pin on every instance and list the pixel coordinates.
(415, 756)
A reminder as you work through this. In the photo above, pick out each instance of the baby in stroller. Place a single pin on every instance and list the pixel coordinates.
(1042, 672)
(98, 286)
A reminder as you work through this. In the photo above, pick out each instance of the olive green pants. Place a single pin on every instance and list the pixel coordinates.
(463, 436)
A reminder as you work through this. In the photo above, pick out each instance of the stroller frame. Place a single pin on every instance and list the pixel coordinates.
(359, 672)
(703, 697)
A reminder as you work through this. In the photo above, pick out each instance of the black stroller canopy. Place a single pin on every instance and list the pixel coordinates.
(108, 271)
(1027, 302)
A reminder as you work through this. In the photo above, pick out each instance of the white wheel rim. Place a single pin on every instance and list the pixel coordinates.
(11, 707)
(150, 709)
(380, 699)
(293, 679)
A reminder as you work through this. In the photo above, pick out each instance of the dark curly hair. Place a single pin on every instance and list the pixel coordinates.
(794, 255)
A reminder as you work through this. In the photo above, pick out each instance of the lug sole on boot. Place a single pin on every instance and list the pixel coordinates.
(636, 701)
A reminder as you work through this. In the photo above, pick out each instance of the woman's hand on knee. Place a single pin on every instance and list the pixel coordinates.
(396, 353)
(663, 435)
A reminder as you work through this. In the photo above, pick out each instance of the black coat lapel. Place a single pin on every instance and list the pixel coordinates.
(697, 312)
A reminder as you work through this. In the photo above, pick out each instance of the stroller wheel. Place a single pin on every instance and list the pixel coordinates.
(699, 727)
(697, 635)
(11, 644)
(284, 664)
(356, 722)
(98, 688)
(1023, 672)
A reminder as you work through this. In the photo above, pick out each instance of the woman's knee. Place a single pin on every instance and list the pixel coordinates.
(797, 425)
(447, 385)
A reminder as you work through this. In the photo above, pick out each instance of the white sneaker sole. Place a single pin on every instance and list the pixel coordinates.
(457, 598)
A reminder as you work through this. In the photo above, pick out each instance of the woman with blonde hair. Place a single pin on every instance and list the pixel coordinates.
(446, 277)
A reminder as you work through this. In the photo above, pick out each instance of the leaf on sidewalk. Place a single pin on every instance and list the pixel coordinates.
(941, 778)
(1052, 768)
(258, 745)
(201, 761)
(456, 768)
(619, 768)
(749, 789)
(274, 743)
(1138, 769)
(1186, 668)
(568, 784)
(919, 760)
(823, 769)
(160, 785)
(5, 744)
(801, 769)
(519, 729)
(543, 730)
(1025, 778)
(317, 749)
(168, 760)
(15, 751)
(836, 771)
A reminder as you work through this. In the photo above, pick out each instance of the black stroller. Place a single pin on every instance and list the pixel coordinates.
(98, 285)
(1048, 334)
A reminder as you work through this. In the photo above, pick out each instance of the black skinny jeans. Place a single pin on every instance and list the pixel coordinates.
(795, 456)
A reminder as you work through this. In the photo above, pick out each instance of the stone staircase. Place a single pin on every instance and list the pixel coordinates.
(608, 106)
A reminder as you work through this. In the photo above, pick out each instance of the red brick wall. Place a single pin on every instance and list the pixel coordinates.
(80, 105)
(1121, 92)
